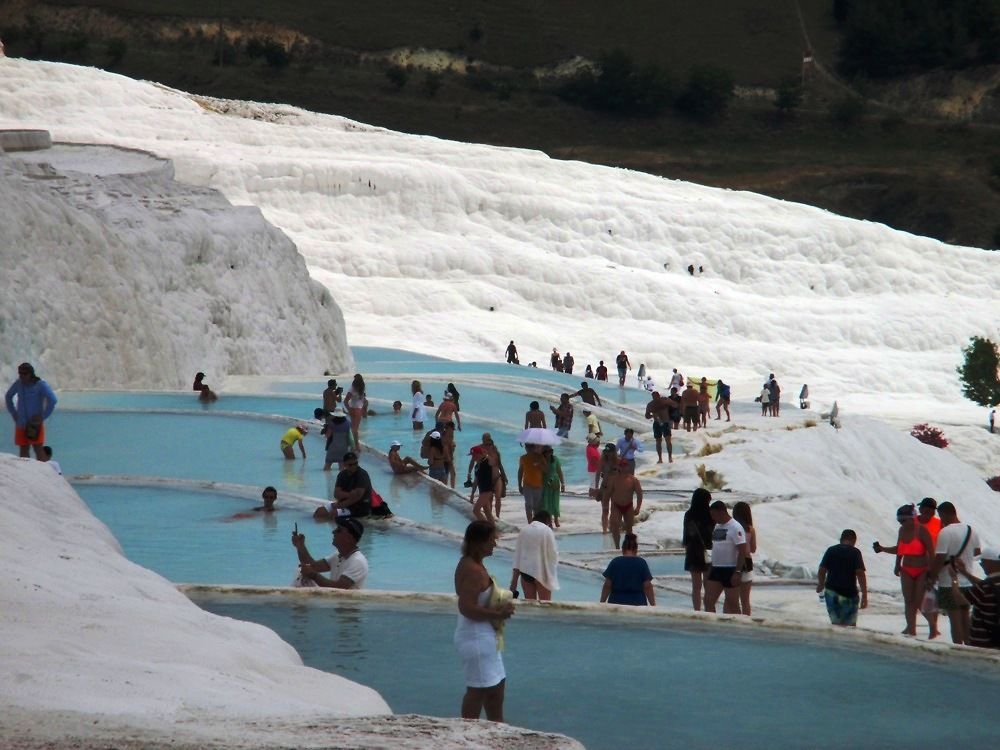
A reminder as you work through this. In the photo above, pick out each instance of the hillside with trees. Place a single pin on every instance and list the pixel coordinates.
(887, 110)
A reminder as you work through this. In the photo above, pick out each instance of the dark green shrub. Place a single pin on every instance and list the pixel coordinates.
(788, 96)
(707, 94)
(619, 86)
(276, 56)
(397, 76)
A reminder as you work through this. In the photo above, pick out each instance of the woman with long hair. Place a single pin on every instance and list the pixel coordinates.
(357, 407)
(479, 632)
(627, 579)
(418, 412)
(437, 458)
(553, 484)
(450, 388)
(914, 552)
(697, 539)
(744, 517)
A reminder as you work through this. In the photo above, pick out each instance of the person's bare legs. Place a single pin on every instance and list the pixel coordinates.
(530, 588)
(481, 510)
(932, 623)
(472, 703)
(288, 453)
(713, 590)
(25, 451)
(670, 449)
(605, 515)
(498, 496)
(696, 586)
(659, 450)
(960, 620)
(731, 604)
(745, 598)
(911, 600)
(616, 525)
(493, 701)
(544, 595)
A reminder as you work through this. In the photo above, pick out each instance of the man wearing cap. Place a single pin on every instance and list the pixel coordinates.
(927, 517)
(627, 447)
(531, 479)
(35, 403)
(620, 488)
(955, 541)
(593, 426)
(588, 395)
(984, 596)
(348, 569)
(352, 494)
(402, 465)
(339, 438)
(290, 438)
(659, 411)
(448, 412)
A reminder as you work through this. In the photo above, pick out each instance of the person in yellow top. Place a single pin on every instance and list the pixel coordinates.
(290, 438)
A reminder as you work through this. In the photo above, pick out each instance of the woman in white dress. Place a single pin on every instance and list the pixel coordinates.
(483, 608)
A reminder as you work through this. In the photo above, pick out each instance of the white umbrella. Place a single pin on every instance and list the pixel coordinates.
(539, 436)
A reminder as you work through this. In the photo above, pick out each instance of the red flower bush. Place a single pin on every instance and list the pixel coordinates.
(929, 435)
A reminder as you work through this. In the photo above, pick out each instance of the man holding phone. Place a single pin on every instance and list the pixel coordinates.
(348, 569)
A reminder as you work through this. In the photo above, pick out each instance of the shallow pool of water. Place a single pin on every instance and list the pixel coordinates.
(189, 536)
(612, 683)
(226, 449)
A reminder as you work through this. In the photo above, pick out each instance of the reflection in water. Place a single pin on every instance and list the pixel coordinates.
(294, 475)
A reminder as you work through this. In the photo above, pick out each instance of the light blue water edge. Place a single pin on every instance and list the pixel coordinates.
(377, 432)
(191, 535)
(615, 681)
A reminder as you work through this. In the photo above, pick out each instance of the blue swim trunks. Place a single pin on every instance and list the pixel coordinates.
(843, 610)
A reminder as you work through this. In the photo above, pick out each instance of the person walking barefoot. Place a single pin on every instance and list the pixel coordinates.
(914, 552)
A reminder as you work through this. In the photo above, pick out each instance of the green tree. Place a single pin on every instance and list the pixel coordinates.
(788, 96)
(707, 93)
(979, 372)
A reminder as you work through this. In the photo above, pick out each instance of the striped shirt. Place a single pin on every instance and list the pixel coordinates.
(984, 599)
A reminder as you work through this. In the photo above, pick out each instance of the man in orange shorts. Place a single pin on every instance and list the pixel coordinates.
(30, 401)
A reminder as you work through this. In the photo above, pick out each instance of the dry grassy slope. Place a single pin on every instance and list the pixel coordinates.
(760, 42)
(923, 176)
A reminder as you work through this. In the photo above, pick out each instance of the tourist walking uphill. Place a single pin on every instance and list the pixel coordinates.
(30, 401)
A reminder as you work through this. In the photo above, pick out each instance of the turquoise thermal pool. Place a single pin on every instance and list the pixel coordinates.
(611, 680)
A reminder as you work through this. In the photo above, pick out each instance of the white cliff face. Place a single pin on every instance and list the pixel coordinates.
(454, 249)
(116, 275)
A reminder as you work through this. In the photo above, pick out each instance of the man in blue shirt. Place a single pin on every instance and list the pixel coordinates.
(628, 446)
(35, 404)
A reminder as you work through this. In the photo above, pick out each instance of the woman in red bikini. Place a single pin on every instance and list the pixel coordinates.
(914, 551)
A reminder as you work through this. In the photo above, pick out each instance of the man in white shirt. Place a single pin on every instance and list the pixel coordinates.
(348, 568)
(729, 552)
(956, 540)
